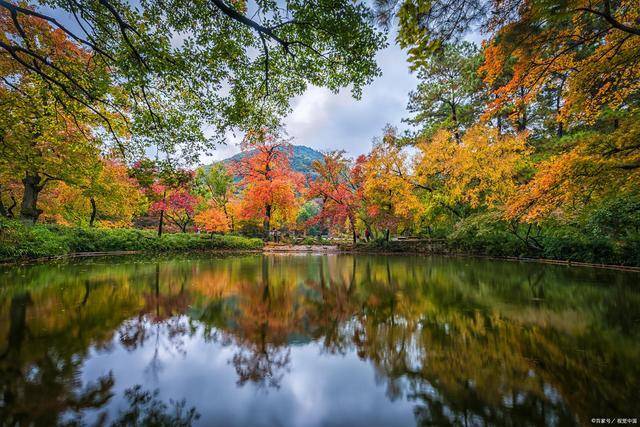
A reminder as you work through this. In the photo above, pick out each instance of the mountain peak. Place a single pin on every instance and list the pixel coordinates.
(302, 157)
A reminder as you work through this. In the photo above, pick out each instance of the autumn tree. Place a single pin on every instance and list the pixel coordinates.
(589, 53)
(480, 172)
(269, 185)
(388, 186)
(106, 194)
(215, 183)
(10, 193)
(338, 186)
(159, 180)
(178, 205)
(307, 222)
(145, 172)
(41, 144)
(46, 133)
(598, 166)
(212, 220)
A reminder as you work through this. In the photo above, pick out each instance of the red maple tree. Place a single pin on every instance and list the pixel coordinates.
(339, 185)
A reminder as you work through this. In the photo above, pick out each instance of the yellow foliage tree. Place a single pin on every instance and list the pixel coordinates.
(481, 170)
(388, 189)
(106, 196)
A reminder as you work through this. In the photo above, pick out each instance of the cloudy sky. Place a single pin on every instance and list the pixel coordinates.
(326, 121)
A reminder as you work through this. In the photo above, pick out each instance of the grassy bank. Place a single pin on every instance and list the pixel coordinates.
(19, 241)
(561, 246)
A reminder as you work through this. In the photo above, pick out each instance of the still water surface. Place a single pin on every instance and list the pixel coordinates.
(317, 340)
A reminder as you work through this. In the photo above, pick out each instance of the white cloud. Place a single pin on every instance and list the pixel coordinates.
(327, 121)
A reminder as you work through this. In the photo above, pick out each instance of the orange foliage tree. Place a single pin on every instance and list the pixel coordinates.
(586, 51)
(47, 133)
(270, 186)
(597, 167)
(212, 220)
(482, 171)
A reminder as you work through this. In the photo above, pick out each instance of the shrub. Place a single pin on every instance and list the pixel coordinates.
(487, 235)
(568, 244)
(20, 241)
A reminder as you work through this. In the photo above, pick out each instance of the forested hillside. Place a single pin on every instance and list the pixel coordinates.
(301, 158)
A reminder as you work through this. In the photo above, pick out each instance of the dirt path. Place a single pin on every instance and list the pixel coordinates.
(301, 248)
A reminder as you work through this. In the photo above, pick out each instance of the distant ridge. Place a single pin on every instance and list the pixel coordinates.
(302, 158)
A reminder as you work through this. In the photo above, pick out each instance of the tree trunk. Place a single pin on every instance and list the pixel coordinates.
(267, 222)
(456, 127)
(94, 211)
(32, 187)
(387, 235)
(14, 203)
(522, 122)
(353, 230)
(560, 128)
(161, 222)
(3, 210)
(229, 217)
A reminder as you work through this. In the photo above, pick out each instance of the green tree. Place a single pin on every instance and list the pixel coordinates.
(215, 183)
(180, 65)
(449, 94)
(39, 143)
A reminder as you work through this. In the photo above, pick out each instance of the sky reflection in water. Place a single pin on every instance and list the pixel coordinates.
(317, 341)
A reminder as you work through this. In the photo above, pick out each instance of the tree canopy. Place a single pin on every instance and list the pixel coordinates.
(168, 68)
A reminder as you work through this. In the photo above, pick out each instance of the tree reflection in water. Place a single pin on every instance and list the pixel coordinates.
(146, 409)
(468, 342)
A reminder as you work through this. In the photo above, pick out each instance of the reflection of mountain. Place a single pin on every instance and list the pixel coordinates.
(468, 342)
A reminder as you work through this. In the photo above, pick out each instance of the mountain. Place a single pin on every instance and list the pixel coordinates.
(301, 158)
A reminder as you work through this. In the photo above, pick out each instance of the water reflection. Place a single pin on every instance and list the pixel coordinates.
(316, 340)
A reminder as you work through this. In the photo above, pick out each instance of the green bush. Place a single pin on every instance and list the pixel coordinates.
(572, 244)
(569, 244)
(485, 234)
(20, 241)
(630, 252)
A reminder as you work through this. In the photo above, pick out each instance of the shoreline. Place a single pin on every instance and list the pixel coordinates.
(79, 255)
(321, 250)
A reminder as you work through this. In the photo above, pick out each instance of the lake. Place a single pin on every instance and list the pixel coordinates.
(316, 340)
